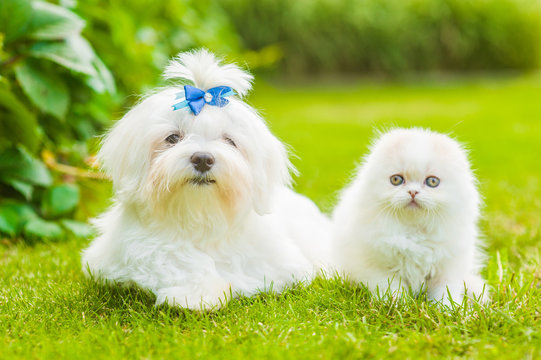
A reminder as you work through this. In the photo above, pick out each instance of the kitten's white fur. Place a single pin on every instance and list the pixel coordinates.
(383, 241)
(193, 244)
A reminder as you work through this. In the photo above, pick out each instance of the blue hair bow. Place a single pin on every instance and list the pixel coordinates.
(197, 98)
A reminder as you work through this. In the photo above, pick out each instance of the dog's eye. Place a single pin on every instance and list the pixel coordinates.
(397, 180)
(173, 138)
(229, 141)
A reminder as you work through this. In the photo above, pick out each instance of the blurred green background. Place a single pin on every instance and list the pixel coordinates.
(69, 68)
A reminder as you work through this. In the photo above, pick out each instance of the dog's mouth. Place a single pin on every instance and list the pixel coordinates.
(201, 181)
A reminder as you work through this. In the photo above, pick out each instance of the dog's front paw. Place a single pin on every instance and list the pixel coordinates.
(210, 295)
(177, 296)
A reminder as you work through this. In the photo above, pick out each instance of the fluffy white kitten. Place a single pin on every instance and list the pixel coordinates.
(409, 218)
(202, 205)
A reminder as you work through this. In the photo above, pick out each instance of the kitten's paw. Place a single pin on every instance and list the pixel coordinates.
(477, 289)
(447, 295)
(451, 301)
(473, 287)
(204, 298)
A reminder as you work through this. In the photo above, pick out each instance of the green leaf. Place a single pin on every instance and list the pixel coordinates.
(103, 81)
(74, 53)
(53, 22)
(18, 125)
(13, 215)
(43, 229)
(46, 91)
(59, 200)
(17, 163)
(78, 228)
(15, 16)
(9, 221)
(23, 210)
(22, 187)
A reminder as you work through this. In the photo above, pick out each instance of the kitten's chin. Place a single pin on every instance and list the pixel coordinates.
(413, 205)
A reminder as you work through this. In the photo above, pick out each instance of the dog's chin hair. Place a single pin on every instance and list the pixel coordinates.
(201, 209)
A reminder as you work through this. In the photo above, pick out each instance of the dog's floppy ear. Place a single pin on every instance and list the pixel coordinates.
(122, 155)
(272, 172)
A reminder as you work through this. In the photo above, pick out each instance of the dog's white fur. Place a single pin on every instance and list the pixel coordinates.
(383, 241)
(190, 244)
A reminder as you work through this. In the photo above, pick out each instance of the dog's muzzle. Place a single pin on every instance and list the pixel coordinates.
(202, 161)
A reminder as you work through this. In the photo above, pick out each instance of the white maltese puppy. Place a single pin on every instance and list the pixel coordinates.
(409, 218)
(202, 208)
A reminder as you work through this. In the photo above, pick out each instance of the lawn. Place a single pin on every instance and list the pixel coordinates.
(48, 309)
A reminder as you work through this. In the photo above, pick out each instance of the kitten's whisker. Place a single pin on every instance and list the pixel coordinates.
(390, 208)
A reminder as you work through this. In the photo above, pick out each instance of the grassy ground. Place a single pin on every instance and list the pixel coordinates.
(47, 308)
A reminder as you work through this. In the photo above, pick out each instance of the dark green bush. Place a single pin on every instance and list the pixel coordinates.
(393, 36)
(48, 70)
(136, 38)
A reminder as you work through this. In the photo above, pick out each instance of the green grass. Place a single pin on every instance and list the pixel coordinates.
(48, 309)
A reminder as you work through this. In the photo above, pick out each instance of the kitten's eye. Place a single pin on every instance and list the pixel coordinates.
(229, 141)
(432, 181)
(397, 180)
(173, 139)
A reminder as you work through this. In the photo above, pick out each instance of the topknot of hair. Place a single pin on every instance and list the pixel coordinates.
(206, 71)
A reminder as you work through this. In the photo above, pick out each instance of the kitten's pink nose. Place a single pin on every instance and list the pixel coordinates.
(413, 193)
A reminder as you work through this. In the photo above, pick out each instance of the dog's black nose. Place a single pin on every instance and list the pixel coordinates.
(202, 161)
